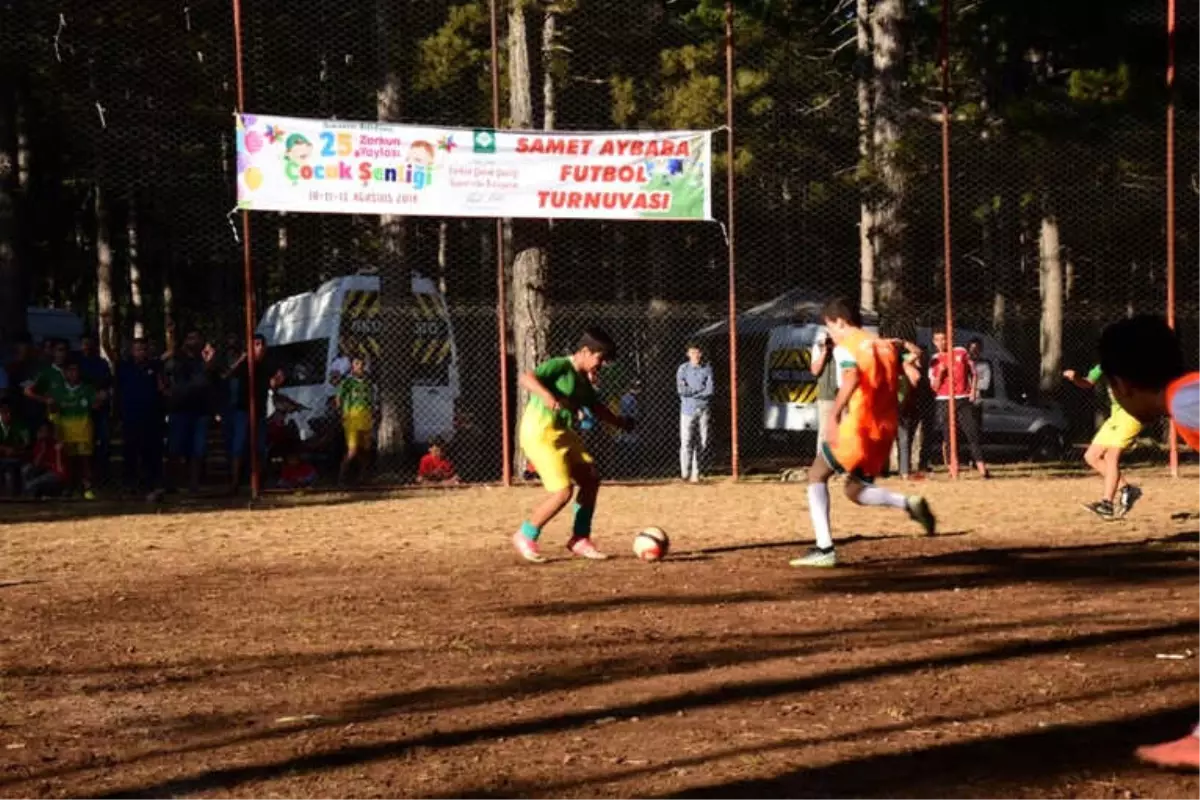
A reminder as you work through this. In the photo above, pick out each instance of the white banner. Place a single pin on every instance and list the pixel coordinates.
(337, 167)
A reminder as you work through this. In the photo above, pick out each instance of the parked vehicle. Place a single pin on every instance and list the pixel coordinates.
(315, 334)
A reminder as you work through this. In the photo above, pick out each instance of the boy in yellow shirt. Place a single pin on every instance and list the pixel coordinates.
(562, 392)
(356, 398)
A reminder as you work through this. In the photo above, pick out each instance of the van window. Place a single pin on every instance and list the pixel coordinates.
(1017, 388)
(303, 363)
(430, 343)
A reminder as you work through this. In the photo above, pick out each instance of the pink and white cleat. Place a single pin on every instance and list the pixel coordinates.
(582, 546)
(528, 548)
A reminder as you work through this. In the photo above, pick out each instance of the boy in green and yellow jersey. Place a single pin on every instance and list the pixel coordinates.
(562, 391)
(356, 398)
(1114, 437)
(70, 404)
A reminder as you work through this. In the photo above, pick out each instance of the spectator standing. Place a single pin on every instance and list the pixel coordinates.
(914, 399)
(14, 448)
(22, 372)
(140, 390)
(97, 373)
(823, 368)
(951, 373)
(983, 379)
(71, 405)
(356, 400)
(267, 377)
(47, 380)
(190, 374)
(694, 385)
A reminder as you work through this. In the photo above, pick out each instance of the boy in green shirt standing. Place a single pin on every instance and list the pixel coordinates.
(70, 405)
(355, 398)
(562, 391)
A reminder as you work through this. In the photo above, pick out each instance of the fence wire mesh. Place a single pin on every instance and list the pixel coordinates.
(117, 184)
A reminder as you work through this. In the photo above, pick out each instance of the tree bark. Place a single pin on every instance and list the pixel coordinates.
(866, 216)
(530, 318)
(1050, 285)
(135, 270)
(106, 322)
(887, 38)
(13, 320)
(394, 372)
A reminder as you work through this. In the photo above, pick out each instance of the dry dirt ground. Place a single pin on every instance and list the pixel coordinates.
(357, 646)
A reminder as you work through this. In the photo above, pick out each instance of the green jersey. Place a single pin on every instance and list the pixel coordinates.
(74, 402)
(13, 434)
(1095, 375)
(48, 381)
(565, 382)
(354, 395)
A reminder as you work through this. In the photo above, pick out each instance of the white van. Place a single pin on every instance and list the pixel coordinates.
(789, 387)
(54, 323)
(1010, 422)
(313, 336)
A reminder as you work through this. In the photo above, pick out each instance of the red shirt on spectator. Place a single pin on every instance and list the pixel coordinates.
(435, 468)
(959, 375)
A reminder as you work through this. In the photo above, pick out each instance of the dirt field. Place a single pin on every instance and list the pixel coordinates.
(331, 647)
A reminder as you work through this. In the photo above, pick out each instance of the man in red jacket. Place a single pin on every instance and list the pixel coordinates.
(952, 373)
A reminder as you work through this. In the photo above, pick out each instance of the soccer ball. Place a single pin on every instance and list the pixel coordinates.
(651, 544)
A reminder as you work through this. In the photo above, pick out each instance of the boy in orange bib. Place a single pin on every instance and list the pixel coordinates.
(860, 445)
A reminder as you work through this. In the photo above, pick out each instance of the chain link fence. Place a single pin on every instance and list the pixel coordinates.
(119, 204)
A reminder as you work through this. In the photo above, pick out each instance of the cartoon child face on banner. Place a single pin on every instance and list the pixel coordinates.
(297, 149)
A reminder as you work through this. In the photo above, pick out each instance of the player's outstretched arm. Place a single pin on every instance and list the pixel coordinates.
(1073, 377)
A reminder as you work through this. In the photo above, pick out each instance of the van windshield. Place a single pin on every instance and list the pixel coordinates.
(303, 363)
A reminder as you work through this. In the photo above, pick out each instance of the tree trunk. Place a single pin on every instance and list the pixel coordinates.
(530, 318)
(12, 278)
(866, 216)
(394, 372)
(106, 322)
(135, 271)
(168, 307)
(889, 224)
(1050, 284)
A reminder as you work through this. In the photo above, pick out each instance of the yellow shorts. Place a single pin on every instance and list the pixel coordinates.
(357, 426)
(556, 453)
(1118, 431)
(75, 435)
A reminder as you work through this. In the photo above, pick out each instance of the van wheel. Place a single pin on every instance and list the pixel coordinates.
(1049, 445)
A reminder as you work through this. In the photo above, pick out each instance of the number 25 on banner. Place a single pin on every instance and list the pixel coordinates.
(345, 144)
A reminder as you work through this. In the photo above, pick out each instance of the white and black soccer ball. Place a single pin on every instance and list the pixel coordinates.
(651, 544)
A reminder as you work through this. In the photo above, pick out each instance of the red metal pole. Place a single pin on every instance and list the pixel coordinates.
(731, 196)
(946, 253)
(501, 281)
(247, 271)
(1174, 445)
